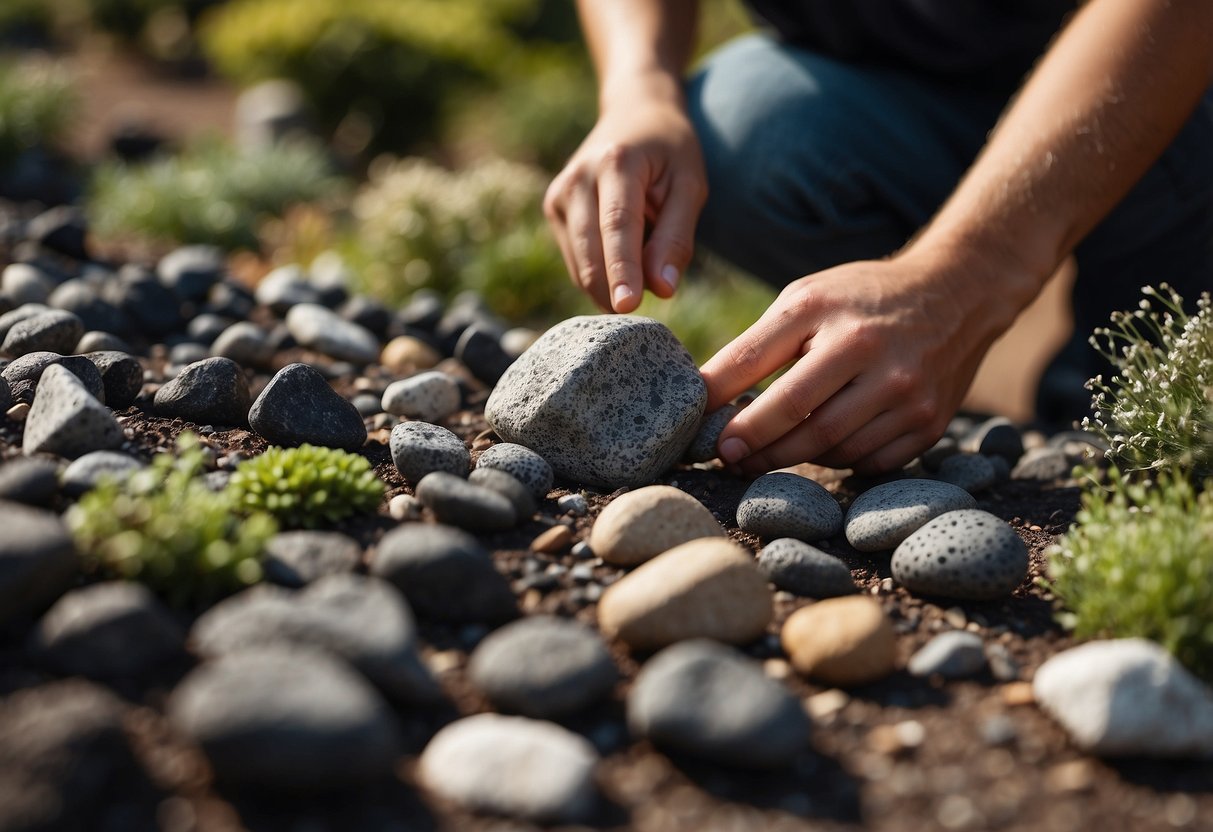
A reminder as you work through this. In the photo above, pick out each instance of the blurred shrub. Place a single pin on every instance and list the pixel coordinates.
(306, 486)
(26, 21)
(37, 102)
(163, 527)
(210, 193)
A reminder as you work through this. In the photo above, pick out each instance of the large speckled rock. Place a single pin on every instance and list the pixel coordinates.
(783, 504)
(711, 701)
(644, 523)
(511, 765)
(1127, 697)
(841, 641)
(968, 554)
(66, 420)
(882, 517)
(708, 588)
(608, 401)
(298, 406)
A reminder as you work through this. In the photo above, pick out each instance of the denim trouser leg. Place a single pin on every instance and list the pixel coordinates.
(813, 162)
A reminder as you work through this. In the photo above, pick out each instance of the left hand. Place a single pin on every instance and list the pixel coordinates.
(884, 353)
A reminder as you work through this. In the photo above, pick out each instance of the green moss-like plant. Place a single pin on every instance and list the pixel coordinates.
(163, 527)
(1156, 411)
(37, 102)
(1137, 563)
(306, 486)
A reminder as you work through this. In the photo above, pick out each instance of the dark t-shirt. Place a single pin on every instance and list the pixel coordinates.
(985, 40)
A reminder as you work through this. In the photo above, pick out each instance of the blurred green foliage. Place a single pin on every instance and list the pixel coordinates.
(26, 19)
(305, 486)
(37, 102)
(163, 527)
(209, 193)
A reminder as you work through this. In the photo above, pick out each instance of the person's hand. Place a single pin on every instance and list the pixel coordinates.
(639, 172)
(884, 352)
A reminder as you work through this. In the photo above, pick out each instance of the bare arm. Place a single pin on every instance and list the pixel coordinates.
(885, 350)
(640, 165)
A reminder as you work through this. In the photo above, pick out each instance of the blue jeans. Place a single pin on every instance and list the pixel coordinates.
(813, 162)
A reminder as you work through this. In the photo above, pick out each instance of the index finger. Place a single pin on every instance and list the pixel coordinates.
(621, 218)
(775, 339)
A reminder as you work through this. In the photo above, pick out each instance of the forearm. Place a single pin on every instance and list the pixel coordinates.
(1106, 100)
(639, 47)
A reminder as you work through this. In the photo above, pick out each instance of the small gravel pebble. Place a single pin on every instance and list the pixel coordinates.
(55, 330)
(87, 472)
(211, 391)
(528, 467)
(954, 655)
(510, 487)
(573, 504)
(121, 375)
(703, 446)
(405, 507)
(972, 472)
(782, 504)
(797, 567)
(995, 437)
(457, 502)
(245, 343)
(884, 516)
(429, 397)
(297, 558)
(841, 641)
(419, 448)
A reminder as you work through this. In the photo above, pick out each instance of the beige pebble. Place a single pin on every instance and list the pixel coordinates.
(556, 539)
(708, 588)
(827, 703)
(642, 524)
(406, 354)
(18, 412)
(404, 507)
(892, 740)
(1018, 693)
(1072, 776)
(841, 641)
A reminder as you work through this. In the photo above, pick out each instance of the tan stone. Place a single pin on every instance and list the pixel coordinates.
(642, 524)
(556, 539)
(406, 354)
(707, 588)
(841, 641)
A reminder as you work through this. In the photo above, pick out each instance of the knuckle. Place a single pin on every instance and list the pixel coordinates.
(617, 218)
(620, 270)
(831, 434)
(794, 400)
(902, 382)
(615, 157)
(924, 413)
(745, 358)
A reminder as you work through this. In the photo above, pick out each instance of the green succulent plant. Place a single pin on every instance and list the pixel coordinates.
(1156, 410)
(162, 526)
(306, 486)
(1137, 563)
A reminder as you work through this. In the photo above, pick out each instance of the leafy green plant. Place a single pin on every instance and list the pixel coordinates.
(1137, 563)
(210, 193)
(1156, 411)
(306, 486)
(163, 527)
(37, 102)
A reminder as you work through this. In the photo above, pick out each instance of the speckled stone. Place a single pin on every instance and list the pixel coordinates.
(321, 329)
(457, 502)
(89, 470)
(419, 448)
(53, 331)
(782, 504)
(430, 397)
(245, 343)
(703, 446)
(1044, 465)
(543, 667)
(65, 420)
(708, 588)
(968, 554)
(298, 406)
(296, 558)
(510, 487)
(841, 641)
(24, 373)
(641, 524)
(445, 574)
(953, 655)
(972, 472)
(1127, 697)
(513, 766)
(121, 375)
(522, 463)
(710, 701)
(212, 391)
(608, 401)
(286, 718)
(795, 566)
(882, 517)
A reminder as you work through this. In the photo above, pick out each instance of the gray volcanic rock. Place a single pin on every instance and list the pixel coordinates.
(191, 271)
(107, 631)
(28, 480)
(419, 448)
(457, 502)
(87, 472)
(6, 396)
(968, 554)
(606, 400)
(25, 283)
(298, 406)
(795, 566)
(782, 504)
(52, 331)
(121, 375)
(24, 373)
(245, 343)
(445, 574)
(702, 698)
(522, 463)
(66, 420)
(286, 718)
(284, 287)
(24, 312)
(38, 560)
(210, 391)
(953, 655)
(972, 472)
(996, 437)
(543, 667)
(429, 396)
(882, 517)
(320, 328)
(510, 487)
(297, 558)
(82, 298)
(703, 446)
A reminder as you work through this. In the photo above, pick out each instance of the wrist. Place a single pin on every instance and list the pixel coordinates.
(628, 88)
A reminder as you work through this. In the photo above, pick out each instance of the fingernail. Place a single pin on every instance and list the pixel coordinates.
(621, 294)
(733, 449)
(669, 276)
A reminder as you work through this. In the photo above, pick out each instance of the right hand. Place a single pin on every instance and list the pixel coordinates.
(639, 170)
